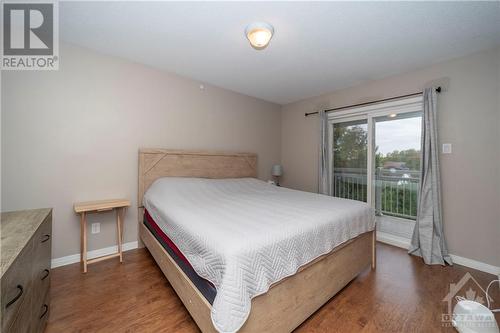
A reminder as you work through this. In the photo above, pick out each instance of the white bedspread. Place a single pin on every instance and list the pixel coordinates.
(244, 234)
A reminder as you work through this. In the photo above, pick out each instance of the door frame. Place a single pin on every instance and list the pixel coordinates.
(405, 105)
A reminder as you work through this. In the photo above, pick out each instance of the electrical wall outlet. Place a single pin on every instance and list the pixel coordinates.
(96, 228)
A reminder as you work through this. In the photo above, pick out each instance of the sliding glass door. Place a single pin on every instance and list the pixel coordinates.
(397, 171)
(375, 158)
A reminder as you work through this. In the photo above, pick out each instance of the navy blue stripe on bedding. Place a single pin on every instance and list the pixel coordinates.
(204, 286)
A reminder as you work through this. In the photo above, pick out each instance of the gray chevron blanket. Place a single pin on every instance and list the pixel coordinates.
(243, 234)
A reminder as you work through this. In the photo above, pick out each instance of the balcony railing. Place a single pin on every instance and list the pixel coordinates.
(395, 190)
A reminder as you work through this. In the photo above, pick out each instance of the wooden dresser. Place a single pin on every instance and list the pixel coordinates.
(25, 268)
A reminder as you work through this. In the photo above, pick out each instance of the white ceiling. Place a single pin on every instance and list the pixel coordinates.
(317, 47)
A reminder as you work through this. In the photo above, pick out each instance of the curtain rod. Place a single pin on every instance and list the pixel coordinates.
(438, 90)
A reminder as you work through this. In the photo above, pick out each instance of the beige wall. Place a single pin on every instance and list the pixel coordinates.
(469, 118)
(73, 134)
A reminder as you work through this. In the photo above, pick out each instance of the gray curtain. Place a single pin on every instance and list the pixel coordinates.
(323, 176)
(428, 236)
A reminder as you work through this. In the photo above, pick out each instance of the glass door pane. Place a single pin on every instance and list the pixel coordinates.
(350, 147)
(397, 171)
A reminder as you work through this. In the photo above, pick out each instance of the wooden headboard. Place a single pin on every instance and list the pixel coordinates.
(157, 163)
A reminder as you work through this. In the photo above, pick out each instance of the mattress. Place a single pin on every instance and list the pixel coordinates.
(206, 288)
(243, 234)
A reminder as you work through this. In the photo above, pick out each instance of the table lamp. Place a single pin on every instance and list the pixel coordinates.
(277, 171)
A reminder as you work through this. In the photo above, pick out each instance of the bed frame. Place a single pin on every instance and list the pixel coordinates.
(288, 302)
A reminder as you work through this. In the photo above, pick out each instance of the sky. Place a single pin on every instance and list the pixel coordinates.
(399, 134)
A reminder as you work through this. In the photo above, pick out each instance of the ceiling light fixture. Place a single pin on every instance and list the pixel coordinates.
(259, 34)
(393, 115)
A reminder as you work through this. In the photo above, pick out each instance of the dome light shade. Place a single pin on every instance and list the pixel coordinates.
(259, 34)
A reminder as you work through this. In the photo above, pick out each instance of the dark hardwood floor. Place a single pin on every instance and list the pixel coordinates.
(401, 295)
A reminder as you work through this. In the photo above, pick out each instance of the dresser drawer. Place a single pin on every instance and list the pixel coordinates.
(42, 243)
(42, 239)
(41, 286)
(23, 322)
(16, 287)
(41, 314)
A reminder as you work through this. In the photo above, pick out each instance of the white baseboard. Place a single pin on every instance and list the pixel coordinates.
(480, 266)
(74, 258)
(381, 237)
(471, 263)
(393, 240)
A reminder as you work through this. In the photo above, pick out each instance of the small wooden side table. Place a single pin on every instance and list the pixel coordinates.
(85, 208)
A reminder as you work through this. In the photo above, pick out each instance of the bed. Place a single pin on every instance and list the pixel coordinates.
(273, 256)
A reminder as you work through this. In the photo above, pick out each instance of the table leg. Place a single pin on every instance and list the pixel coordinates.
(119, 230)
(374, 248)
(83, 254)
(124, 211)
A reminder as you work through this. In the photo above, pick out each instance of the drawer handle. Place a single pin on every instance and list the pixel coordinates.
(47, 273)
(19, 294)
(47, 237)
(45, 310)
